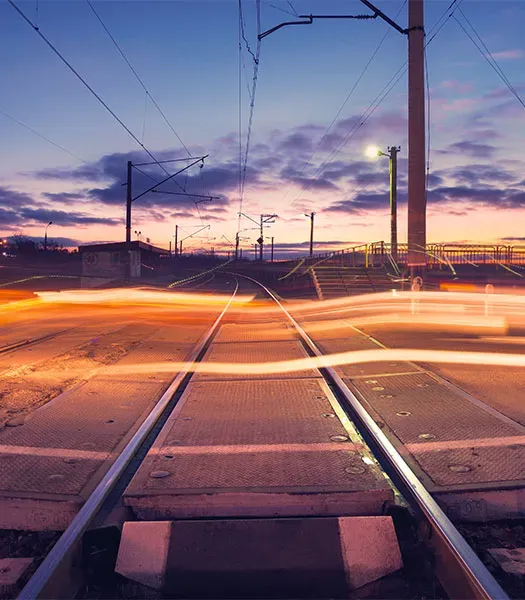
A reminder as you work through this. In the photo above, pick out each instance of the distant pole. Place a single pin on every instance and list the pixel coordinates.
(236, 245)
(176, 238)
(255, 250)
(271, 259)
(240, 253)
(262, 238)
(393, 150)
(45, 236)
(128, 204)
(416, 138)
(180, 248)
(170, 247)
(312, 215)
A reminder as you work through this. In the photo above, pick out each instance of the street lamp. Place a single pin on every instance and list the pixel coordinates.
(45, 235)
(373, 152)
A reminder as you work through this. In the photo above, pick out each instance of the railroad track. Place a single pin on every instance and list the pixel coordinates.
(458, 568)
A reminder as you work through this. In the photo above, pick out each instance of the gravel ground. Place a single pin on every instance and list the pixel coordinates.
(500, 534)
(24, 389)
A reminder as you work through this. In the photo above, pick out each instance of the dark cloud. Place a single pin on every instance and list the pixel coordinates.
(473, 149)
(11, 198)
(297, 142)
(338, 169)
(61, 241)
(372, 178)
(59, 217)
(64, 197)
(362, 203)
(433, 179)
(8, 217)
(474, 173)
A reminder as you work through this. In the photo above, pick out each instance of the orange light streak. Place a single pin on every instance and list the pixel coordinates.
(328, 360)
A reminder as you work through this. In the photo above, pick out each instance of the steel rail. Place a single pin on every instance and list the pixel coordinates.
(31, 341)
(36, 585)
(468, 576)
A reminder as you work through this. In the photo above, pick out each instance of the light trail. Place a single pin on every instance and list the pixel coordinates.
(329, 360)
(139, 296)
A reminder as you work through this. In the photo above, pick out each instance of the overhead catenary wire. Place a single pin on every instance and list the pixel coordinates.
(256, 60)
(147, 92)
(379, 99)
(345, 101)
(40, 135)
(83, 81)
(137, 76)
(91, 90)
(488, 56)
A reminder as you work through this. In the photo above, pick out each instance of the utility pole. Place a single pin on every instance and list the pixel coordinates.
(176, 238)
(416, 118)
(236, 245)
(170, 247)
(45, 236)
(416, 138)
(271, 259)
(392, 153)
(311, 217)
(261, 240)
(128, 204)
(263, 220)
(180, 249)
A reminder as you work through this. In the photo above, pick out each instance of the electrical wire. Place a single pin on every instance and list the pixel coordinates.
(137, 76)
(148, 95)
(489, 57)
(345, 101)
(374, 105)
(42, 136)
(239, 124)
(280, 8)
(429, 130)
(86, 84)
(256, 60)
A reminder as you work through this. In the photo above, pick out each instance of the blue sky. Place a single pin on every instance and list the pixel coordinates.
(187, 55)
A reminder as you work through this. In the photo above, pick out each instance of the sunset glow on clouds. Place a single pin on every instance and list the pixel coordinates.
(476, 178)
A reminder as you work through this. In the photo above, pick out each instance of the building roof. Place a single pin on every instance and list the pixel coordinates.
(122, 247)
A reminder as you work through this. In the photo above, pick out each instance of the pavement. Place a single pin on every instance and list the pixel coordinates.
(246, 445)
(65, 417)
(461, 428)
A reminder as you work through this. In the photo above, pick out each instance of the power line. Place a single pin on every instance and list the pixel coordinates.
(86, 84)
(489, 57)
(256, 58)
(137, 76)
(345, 101)
(42, 136)
(369, 111)
(280, 8)
(429, 130)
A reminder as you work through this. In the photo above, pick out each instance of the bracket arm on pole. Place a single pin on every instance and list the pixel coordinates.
(381, 14)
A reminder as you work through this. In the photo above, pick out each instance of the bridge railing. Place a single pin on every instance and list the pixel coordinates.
(438, 256)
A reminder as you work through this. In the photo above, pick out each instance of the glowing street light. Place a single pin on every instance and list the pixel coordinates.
(374, 152)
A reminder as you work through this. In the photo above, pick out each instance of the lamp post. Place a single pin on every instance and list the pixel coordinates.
(45, 236)
(373, 151)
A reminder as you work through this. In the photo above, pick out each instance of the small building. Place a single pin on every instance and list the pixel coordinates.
(103, 263)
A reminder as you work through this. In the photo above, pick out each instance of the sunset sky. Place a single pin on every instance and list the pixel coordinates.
(187, 54)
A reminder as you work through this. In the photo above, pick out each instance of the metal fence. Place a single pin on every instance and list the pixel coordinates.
(438, 256)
